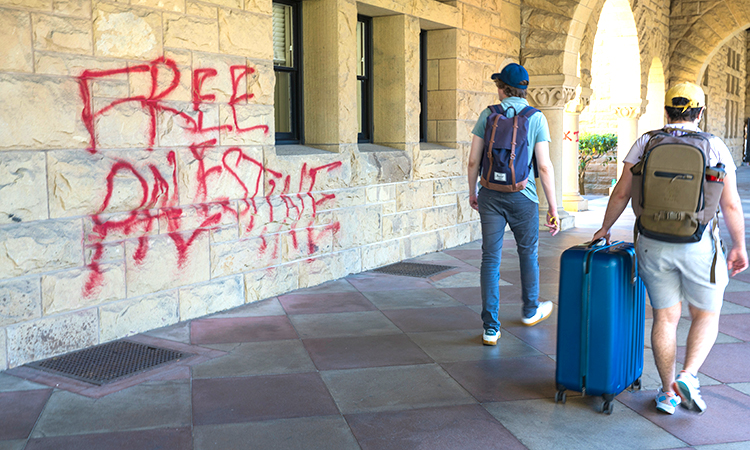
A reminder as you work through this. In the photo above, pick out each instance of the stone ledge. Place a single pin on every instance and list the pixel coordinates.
(298, 150)
(376, 148)
(427, 146)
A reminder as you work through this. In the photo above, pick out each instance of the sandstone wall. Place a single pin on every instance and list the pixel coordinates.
(140, 184)
(725, 86)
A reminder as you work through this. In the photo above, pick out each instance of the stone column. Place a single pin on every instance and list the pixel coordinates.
(550, 94)
(330, 68)
(396, 80)
(572, 199)
(627, 129)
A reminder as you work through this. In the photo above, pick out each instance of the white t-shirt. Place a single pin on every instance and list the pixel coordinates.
(718, 153)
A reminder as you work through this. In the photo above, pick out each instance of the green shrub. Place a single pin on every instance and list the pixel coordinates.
(592, 147)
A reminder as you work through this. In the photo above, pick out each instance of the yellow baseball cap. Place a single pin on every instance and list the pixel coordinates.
(692, 92)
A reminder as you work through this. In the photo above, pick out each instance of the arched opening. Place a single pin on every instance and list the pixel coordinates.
(653, 118)
(616, 86)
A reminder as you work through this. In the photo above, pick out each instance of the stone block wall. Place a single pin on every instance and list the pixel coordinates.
(725, 87)
(140, 184)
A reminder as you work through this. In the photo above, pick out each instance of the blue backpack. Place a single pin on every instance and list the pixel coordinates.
(505, 160)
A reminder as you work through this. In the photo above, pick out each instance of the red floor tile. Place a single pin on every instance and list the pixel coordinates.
(19, 412)
(458, 427)
(364, 351)
(236, 400)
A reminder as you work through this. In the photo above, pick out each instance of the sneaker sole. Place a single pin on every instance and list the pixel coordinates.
(531, 324)
(494, 342)
(665, 410)
(683, 390)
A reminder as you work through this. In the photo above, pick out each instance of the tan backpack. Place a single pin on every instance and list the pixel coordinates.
(674, 192)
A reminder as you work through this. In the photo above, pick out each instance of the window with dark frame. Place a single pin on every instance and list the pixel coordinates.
(287, 63)
(364, 79)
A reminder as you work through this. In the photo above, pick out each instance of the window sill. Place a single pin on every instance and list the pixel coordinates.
(429, 146)
(375, 148)
(299, 150)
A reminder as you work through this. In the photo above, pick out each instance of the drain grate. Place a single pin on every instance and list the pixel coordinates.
(108, 362)
(408, 269)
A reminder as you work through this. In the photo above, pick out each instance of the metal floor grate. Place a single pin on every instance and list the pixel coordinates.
(408, 269)
(108, 362)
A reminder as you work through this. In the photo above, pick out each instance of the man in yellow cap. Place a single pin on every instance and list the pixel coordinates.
(678, 272)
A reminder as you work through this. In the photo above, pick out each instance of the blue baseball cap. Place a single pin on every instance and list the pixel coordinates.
(513, 75)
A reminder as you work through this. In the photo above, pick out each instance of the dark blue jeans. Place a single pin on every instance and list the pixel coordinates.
(497, 209)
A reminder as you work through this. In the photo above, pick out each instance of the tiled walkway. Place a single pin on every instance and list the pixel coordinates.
(375, 361)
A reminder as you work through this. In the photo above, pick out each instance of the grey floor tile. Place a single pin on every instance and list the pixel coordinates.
(12, 445)
(366, 323)
(505, 379)
(329, 287)
(728, 308)
(179, 332)
(411, 298)
(307, 433)
(394, 388)
(742, 387)
(147, 405)
(258, 358)
(464, 279)
(737, 286)
(268, 307)
(10, 383)
(466, 345)
(577, 425)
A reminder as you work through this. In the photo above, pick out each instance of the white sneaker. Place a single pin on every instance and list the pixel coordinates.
(687, 386)
(490, 337)
(543, 311)
(666, 402)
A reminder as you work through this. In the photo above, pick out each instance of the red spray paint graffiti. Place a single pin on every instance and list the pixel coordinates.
(158, 199)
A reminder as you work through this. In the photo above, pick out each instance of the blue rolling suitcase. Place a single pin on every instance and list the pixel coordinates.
(601, 314)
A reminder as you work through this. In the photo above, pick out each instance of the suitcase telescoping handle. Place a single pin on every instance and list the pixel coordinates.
(593, 247)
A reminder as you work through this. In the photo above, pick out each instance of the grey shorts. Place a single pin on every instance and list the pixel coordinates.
(674, 273)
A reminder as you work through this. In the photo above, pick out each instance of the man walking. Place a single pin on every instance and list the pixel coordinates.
(519, 210)
(678, 272)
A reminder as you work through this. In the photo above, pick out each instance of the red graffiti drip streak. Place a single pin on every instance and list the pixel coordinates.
(96, 277)
(183, 246)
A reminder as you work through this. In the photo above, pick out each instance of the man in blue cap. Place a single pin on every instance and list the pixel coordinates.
(519, 210)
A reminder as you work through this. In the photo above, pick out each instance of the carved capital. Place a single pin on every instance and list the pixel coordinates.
(629, 110)
(551, 96)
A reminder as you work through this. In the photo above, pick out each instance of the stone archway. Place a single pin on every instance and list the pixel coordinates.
(696, 35)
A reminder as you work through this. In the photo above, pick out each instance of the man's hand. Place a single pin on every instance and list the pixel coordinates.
(473, 201)
(553, 222)
(602, 233)
(736, 261)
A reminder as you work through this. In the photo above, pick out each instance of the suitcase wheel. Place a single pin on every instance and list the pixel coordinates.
(608, 405)
(637, 384)
(561, 396)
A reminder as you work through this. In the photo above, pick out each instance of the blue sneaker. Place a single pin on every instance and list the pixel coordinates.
(666, 402)
(490, 337)
(688, 387)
